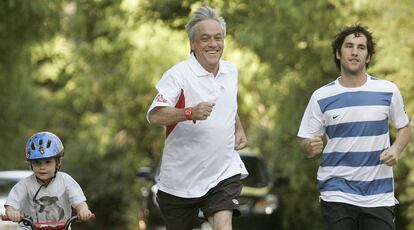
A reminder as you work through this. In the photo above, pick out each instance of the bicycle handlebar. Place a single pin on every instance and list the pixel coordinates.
(47, 225)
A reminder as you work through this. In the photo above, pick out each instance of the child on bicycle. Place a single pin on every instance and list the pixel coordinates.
(47, 195)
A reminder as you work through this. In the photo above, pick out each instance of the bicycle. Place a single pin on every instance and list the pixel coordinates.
(47, 225)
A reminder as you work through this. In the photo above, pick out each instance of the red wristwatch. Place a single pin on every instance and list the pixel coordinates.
(188, 112)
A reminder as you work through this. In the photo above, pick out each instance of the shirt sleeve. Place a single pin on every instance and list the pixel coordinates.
(16, 196)
(168, 92)
(312, 123)
(398, 116)
(75, 192)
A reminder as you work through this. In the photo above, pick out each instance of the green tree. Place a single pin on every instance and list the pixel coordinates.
(22, 24)
(86, 70)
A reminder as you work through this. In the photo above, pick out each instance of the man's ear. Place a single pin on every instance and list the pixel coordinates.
(338, 54)
(368, 59)
(191, 46)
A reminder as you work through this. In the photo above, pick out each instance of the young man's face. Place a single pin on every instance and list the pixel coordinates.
(208, 44)
(354, 54)
(44, 169)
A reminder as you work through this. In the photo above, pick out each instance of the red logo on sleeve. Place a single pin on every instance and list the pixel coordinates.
(160, 98)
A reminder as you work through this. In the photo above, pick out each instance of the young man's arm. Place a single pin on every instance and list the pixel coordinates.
(312, 146)
(390, 156)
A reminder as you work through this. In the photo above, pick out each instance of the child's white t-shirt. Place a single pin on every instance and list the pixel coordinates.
(52, 204)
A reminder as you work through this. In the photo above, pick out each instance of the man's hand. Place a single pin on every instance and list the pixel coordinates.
(312, 146)
(202, 111)
(389, 156)
(241, 140)
(240, 136)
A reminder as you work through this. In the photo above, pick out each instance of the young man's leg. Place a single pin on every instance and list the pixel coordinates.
(220, 201)
(179, 213)
(339, 216)
(380, 218)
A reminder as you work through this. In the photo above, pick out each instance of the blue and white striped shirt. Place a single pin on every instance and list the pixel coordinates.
(356, 124)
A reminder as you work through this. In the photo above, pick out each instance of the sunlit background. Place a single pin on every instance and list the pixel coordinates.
(86, 70)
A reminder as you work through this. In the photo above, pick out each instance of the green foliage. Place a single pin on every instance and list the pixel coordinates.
(86, 70)
(394, 62)
(22, 23)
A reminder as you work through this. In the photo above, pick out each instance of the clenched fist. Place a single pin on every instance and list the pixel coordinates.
(202, 111)
(312, 146)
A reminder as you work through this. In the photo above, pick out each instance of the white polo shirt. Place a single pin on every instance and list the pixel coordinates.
(198, 156)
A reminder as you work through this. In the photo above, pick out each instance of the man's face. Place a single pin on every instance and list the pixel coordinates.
(208, 44)
(354, 54)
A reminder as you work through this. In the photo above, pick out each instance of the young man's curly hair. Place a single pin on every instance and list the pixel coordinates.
(357, 30)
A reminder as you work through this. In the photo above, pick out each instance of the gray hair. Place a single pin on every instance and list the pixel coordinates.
(201, 14)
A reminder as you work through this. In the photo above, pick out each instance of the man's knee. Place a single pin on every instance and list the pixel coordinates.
(221, 220)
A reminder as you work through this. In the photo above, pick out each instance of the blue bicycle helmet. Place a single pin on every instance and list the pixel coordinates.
(43, 145)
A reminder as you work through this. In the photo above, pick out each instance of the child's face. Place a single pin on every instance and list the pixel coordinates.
(44, 169)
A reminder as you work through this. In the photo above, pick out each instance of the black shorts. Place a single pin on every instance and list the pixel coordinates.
(182, 213)
(341, 216)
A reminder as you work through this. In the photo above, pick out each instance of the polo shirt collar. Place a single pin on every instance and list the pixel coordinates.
(200, 71)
